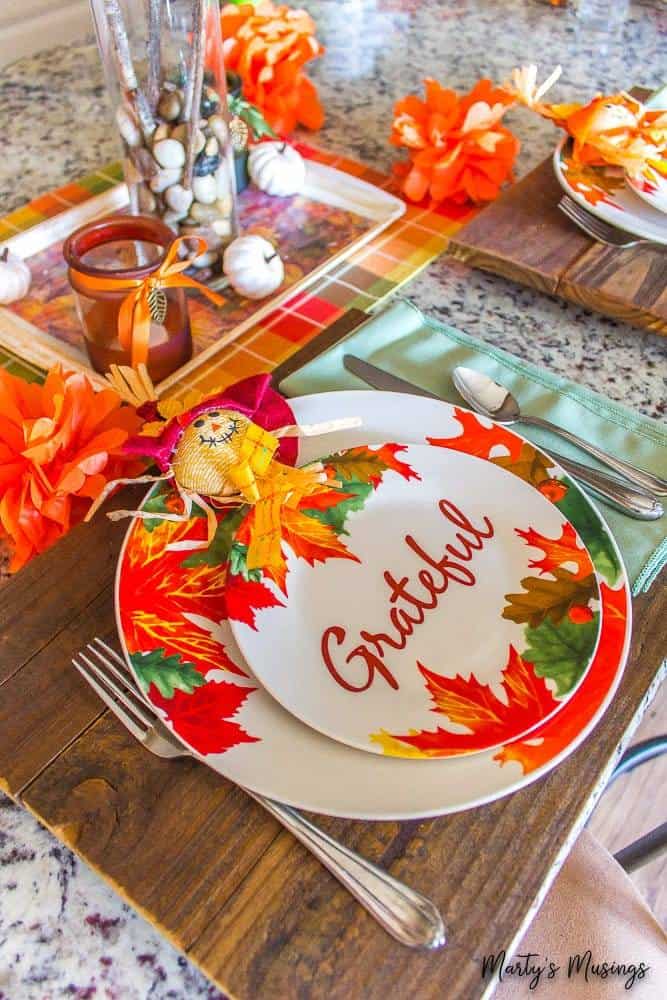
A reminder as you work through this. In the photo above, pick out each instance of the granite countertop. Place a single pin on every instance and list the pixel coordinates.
(63, 933)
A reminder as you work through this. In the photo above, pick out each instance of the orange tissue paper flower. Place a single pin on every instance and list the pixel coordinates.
(60, 443)
(458, 150)
(268, 46)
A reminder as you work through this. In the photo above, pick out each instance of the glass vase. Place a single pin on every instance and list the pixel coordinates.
(164, 71)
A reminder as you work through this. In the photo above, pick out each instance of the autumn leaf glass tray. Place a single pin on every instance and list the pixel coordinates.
(334, 216)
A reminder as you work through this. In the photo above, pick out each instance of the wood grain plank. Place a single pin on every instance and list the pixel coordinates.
(630, 285)
(44, 706)
(522, 235)
(261, 917)
(172, 837)
(57, 586)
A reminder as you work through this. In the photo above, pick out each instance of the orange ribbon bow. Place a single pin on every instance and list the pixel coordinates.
(134, 318)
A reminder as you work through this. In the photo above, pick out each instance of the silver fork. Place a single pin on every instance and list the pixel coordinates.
(409, 917)
(600, 230)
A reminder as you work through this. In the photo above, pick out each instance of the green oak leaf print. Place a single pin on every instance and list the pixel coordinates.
(157, 504)
(530, 465)
(165, 501)
(335, 516)
(359, 465)
(589, 526)
(238, 563)
(218, 551)
(561, 652)
(167, 673)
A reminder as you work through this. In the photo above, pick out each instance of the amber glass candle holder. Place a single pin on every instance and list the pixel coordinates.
(125, 247)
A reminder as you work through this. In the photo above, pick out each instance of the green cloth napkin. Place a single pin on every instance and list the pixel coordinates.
(402, 340)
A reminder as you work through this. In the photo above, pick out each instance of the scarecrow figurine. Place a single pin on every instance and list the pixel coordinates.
(236, 446)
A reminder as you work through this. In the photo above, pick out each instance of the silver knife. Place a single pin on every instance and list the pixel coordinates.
(613, 491)
(378, 378)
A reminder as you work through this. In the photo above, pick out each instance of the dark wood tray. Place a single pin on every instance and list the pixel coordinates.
(523, 236)
(217, 875)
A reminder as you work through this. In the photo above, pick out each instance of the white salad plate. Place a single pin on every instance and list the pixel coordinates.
(420, 610)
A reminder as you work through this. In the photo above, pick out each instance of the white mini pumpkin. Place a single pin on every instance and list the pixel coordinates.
(253, 266)
(277, 168)
(15, 277)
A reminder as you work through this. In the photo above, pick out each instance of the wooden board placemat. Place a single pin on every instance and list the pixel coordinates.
(216, 874)
(523, 236)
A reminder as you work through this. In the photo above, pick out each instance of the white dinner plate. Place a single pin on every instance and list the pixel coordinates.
(604, 191)
(238, 729)
(653, 191)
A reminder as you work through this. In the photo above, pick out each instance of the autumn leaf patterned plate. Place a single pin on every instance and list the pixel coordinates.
(653, 191)
(173, 614)
(604, 192)
(431, 585)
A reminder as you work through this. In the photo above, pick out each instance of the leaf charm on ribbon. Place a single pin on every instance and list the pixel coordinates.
(157, 305)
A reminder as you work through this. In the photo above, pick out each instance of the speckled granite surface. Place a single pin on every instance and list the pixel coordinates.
(62, 932)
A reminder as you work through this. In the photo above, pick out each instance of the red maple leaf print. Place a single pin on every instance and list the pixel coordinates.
(474, 705)
(244, 597)
(324, 500)
(388, 455)
(203, 718)
(311, 539)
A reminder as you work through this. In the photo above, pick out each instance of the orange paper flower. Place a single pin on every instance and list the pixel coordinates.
(614, 129)
(59, 445)
(459, 151)
(268, 46)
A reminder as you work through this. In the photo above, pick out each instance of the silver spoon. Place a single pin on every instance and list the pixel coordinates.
(493, 400)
